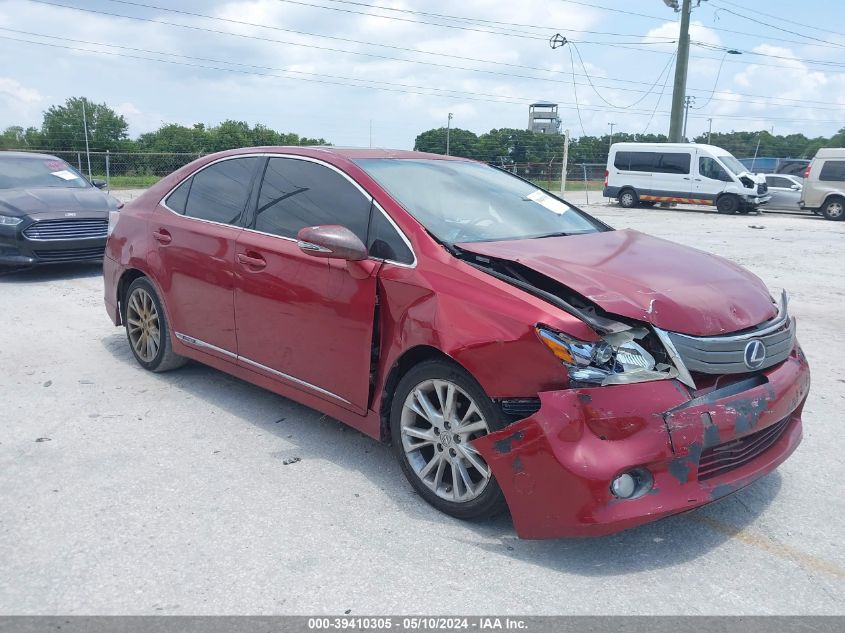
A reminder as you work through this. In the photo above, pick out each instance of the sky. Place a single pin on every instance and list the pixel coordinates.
(335, 69)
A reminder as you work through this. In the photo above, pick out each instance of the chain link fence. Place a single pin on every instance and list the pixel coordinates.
(126, 170)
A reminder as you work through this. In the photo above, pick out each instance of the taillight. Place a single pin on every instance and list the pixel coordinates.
(606, 174)
(807, 172)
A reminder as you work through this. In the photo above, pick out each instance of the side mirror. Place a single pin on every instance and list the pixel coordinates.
(331, 241)
(99, 184)
(796, 187)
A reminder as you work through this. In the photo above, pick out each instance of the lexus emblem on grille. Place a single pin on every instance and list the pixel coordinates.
(755, 354)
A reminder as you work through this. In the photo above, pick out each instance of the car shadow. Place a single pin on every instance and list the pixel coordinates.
(312, 435)
(53, 272)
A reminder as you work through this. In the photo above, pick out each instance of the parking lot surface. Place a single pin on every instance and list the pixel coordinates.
(126, 492)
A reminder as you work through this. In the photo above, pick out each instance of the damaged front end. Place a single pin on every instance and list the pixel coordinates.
(652, 423)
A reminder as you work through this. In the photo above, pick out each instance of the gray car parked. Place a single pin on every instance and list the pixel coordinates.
(785, 191)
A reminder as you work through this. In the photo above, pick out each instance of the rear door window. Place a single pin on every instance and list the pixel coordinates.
(177, 200)
(219, 192)
(673, 163)
(833, 171)
(634, 161)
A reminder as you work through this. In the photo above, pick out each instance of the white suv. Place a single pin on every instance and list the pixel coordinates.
(824, 184)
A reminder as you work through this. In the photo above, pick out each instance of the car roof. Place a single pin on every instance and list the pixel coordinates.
(28, 155)
(831, 152)
(349, 153)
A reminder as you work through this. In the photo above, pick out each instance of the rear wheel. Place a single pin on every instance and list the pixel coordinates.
(834, 209)
(147, 329)
(438, 409)
(728, 204)
(628, 198)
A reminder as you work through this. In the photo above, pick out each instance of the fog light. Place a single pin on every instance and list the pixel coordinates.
(624, 486)
(631, 484)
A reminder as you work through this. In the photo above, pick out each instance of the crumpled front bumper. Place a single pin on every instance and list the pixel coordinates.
(555, 467)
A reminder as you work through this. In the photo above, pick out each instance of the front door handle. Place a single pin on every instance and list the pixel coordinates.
(162, 236)
(253, 261)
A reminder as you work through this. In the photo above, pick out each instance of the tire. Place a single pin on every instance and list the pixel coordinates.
(834, 209)
(422, 442)
(147, 330)
(628, 199)
(728, 204)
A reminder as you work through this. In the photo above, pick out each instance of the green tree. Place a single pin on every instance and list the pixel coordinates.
(16, 137)
(461, 142)
(63, 128)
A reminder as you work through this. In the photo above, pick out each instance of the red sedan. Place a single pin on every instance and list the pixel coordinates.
(516, 351)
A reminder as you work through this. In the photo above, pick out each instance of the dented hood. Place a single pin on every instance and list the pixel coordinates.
(632, 274)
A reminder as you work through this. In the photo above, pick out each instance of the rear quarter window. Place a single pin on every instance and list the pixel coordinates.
(833, 171)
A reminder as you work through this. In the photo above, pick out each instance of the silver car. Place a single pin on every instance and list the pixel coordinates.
(785, 191)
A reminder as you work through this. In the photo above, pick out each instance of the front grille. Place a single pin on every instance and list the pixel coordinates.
(520, 407)
(762, 187)
(70, 229)
(70, 254)
(725, 457)
(726, 354)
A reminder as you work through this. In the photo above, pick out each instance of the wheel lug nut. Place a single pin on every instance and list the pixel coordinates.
(440, 447)
(447, 425)
(457, 439)
(452, 452)
(436, 431)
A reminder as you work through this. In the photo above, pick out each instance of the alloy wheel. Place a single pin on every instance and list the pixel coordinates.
(142, 324)
(438, 422)
(834, 210)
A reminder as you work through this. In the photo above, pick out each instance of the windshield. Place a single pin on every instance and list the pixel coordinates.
(24, 172)
(733, 165)
(462, 201)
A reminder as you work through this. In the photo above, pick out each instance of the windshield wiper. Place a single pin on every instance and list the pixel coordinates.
(559, 234)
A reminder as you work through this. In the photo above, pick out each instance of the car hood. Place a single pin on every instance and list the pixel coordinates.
(22, 202)
(632, 274)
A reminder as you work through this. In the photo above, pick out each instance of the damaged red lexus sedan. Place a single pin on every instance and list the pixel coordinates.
(515, 351)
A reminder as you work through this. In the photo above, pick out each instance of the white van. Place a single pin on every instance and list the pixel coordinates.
(689, 173)
(824, 184)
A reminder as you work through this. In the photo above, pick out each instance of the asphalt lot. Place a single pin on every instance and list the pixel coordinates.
(126, 492)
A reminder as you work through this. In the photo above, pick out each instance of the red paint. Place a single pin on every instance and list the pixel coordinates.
(626, 272)
(313, 320)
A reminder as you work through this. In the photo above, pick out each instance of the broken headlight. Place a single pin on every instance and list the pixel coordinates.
(616, 359)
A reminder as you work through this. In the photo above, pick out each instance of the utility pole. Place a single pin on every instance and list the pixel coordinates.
(688, 101)
(85, 129)
(565, 163)
(448, 130)
(709, 129)
(611, 136)
(680, 89)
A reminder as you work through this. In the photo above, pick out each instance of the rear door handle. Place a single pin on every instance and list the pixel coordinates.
(162, 236)
(254, 261)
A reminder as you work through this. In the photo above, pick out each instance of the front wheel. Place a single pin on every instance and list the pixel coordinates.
(728, 204)
(834, 209)
(438, 410)
(147, 329)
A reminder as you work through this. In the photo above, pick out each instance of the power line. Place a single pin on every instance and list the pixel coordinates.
(361, 83)
(790, 21)
(589, 79)
(660, 97)
(803, 102)
(757, 20)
